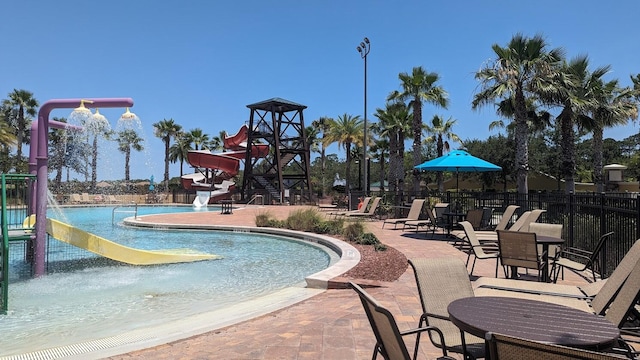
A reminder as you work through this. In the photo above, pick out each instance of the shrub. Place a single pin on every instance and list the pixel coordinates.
(304, 220)
(263, 219)
(353, 231)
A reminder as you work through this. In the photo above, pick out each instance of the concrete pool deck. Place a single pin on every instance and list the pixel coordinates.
(329, 324)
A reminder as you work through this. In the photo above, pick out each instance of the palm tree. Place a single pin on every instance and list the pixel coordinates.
(217, 142)
(346, 130)
(612, 106)
(322, 124)
(96, 126)
(23, 104)
(57, 150)
(166, 129)
(7, 138)
(179, 150)
(439, 131)
(127, 140)
(515, 74)
(394, 124)
(572, 89)
(418, 87)
(198, 138)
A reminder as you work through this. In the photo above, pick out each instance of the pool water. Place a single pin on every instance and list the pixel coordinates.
(100, 298)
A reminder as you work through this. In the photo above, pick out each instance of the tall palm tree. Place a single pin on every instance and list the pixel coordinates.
(198, 138)
(395, 122)
(57, 151)
(217, 142)
(96, 126)
(7, 137)
(439, 131)
(612, 106)
(178, 151)
(345, 131)
(573, 90)
(322, 124)
(515, 73)
(129, 140)
(417, 87)
(166, 129)
(24, 105)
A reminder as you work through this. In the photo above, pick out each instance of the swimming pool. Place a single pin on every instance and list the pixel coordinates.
(102, 298)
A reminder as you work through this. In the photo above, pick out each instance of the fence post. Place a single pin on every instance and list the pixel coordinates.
(603, 226)
(572, 214)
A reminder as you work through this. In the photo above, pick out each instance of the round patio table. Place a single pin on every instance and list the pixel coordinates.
(533, 320)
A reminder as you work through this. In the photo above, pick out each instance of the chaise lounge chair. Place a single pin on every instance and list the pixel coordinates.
(362, 209)
(370, 213)
(414, 214)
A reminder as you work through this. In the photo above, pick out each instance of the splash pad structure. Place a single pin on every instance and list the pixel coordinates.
(42, 160)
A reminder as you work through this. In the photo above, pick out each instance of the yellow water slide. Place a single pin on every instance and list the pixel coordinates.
(101, 246)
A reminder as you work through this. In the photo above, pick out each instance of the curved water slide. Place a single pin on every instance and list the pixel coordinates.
(109, 249)
(223, 166)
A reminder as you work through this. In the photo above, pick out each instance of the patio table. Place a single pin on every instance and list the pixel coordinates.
(533, 320)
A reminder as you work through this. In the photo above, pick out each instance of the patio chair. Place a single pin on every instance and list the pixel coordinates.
(599, 294)
(370, 213)
(414, 214)
(439, 210)
(473, 217)
(503, 347)
(441, 281)
(534, 215)
(478, 250)
(579, 260)
(492, 235)
(85, 198)
(506, 217)
(362, 209)
(389, 339)
(112, 199)
(76, 199)
(519, 250)
(430, 223)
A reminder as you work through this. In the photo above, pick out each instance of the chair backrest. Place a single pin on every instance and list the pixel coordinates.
(441, 281)
(533, 217)
(626, 298)
(374, 206)
(365, 203)
(506, 217)
(601, 242)
(518, 249)
(487, 214)
(553, 230)
(472, 238)
(503, 347)
(474, 216)
(440, 209)
(85, 197)
(384, 326)
(416, 209)
(612, 286)
(520, 221)
(76, 198)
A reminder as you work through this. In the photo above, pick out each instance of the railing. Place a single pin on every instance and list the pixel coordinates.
(16, 208)
(116, 210)
(255, 198)
(585, 216)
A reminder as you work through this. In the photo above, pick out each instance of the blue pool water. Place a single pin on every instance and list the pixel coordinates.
(86, 300)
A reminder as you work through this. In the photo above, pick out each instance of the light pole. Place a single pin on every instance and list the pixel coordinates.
(363, 49)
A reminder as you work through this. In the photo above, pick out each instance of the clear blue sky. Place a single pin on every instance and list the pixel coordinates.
(201, 62)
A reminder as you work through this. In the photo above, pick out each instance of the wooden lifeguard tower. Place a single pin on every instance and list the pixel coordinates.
(283, 175)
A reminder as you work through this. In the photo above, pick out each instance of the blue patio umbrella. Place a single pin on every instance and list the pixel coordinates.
(458, 161)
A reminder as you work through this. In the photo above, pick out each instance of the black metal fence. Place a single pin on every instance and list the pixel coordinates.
(585, 216)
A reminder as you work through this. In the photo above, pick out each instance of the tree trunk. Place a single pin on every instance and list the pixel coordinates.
(597, 159)
(568, 150)
(522, 143)
(417, 142)
(94, 163)
(166, 163)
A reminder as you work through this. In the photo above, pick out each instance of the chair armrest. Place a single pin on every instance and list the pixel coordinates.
(429, 329)
(570, 255)
(575, 250)
(436, 316)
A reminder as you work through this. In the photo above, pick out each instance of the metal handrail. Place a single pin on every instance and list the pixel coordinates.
(115, 210)
(255, 198)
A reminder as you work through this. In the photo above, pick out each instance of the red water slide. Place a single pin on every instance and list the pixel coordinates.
(224, 165)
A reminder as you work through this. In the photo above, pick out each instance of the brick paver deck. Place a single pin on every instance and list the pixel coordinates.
(331, 325)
